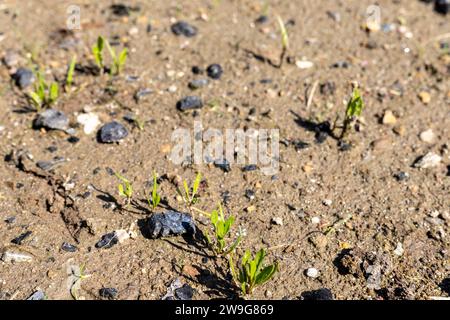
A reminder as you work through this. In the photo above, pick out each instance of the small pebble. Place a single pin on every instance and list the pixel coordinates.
(401, 176)
(312, 273)
(198, 83)
(429, 160)
(52, 119)
(89, 121)
(327, 202)
(38, 295)
(185, 292)
(23, 78)
(108, 293)
(214, 71)
(389, 118)
(427, 136)
(315, 220)
(10, 256)
(189, 103)
(399, 249)
(68, 247)
(184, 28)
(108, 240)
(277, 221)
(250, 194)
(112, 132)
(425, 97)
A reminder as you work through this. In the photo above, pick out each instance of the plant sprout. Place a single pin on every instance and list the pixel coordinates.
(97, 51)
(118, 60)
(44, 95)
(252, 272)
(189, 197)
(70, 72)
(354, 109)
(222, 228)
(156, 198)
(284, 40)
(125, 189)
(79, 275)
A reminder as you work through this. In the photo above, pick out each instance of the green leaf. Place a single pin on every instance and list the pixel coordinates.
(54, 92)
(121, 191)
(197, 181)
(355, 105)
(259, 258)
(265, 274)
(284, 34)
(70, 71)
(122, 59)
(35, 99)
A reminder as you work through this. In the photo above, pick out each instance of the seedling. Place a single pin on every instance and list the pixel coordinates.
(252, 272)
(156, 198)
(354, 109)
(118, 60)
(125, 189)
(190, 198)
(284, 40)
(44, 95)
(97, 51)
(70, 72)
(78, 275)
(222, 228)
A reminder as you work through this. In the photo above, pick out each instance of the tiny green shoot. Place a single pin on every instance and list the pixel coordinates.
(252, 272)
(222, 229)
(284, 40)
(97, 51)
(44, 95)
(78, 275)
(354, 110)
(125, 189)
(118, 60)
(189, 197)
(70, 72)
(156, 198)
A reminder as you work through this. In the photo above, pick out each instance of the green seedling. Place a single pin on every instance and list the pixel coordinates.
(70, 72)
(222, 229)
(118, 60)
(190, 198)
(76, 277)
(97, 51)
(156, 198)
(354, 109)
(284, 40)
(252, 272)
(44, 95)
(125, 189)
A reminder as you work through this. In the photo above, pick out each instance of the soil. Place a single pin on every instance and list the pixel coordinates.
(353, 245)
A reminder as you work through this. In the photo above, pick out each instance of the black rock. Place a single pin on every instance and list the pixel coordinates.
(23, 78)
(170, 223)
(190, 103)
(185, 292)
(48, 165)
(108, 240)
(223, 164)
(262, 19)
(250, 167)
(21, 238)
(341, 64)
(250, 194)
(73, 139)
(323, 130)
(321, 294)
(68, 247)
(141, 93)
(214, 71)
(122, 10)
(198, 83)
(328, 88)
(442, 6)
(197, 70)
(52, 119)
(112, 132)
(184, 28)
(299, 144)
(108, 293)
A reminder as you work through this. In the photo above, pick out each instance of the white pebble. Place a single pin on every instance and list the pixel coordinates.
(312, 272)
(278, 221)
(430, 160)
(427, 136)
(89, 121)
(327, 202)
(399, 250)
(315, 220)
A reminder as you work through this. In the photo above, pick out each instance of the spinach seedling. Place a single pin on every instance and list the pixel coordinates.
(44, 95)
(354, 109)
(252, 272)
(156, 198)
(190, 198)
(125, 189)
(70, 72)
(222, 229)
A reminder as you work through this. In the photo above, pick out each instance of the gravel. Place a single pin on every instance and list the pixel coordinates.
(190, 103)
(23, 78)
(52, 119)
(214, 71)
(112, 132)
(182, 28)
(170, 223)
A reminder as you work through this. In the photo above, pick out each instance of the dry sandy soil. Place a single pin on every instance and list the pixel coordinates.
(390, 230)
